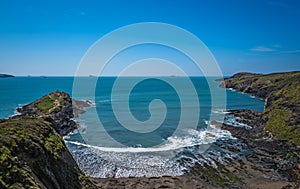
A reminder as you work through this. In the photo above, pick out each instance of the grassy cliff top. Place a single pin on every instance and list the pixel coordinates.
(47, 104)
(282, 94)
(34, 155)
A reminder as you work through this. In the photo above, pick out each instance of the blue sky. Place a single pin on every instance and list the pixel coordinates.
(50, 37)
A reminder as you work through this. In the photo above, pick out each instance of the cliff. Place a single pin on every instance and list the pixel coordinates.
(32, 151)
(281, 91)
(274, 139)
(58, 109)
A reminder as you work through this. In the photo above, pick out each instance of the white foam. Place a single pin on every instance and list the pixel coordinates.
(172, 143)
(234, 121)
(114, 164)
(15, 113)
(219, 111)
(173, 158)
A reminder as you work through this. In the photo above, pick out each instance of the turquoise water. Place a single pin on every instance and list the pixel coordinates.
(149, 130)
(18, 91)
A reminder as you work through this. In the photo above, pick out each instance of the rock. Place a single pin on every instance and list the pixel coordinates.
(33, 155)
(32, 151)
(5, 75)
(56, 108)
(281, 90)
(275, 135)
(79, 106)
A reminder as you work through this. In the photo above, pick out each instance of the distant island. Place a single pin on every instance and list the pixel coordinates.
(33, 153)
(5, 75)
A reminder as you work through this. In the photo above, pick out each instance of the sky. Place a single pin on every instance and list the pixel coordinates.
(51, 37)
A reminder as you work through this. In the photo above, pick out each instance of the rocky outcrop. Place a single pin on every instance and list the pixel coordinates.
(5, 75)
(282, 94)
(58, 109)
(274, 139)
(32, 151)
(33, 154)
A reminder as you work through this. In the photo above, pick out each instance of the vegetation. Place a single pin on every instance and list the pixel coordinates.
(50, 102)
(45, 104)
(33, 154)
(220, 176)
(282, 94)
(277, 125)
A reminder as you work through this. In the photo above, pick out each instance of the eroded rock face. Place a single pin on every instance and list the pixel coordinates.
(275, 136)
(32, 151)
(282, 94)
(57, 109)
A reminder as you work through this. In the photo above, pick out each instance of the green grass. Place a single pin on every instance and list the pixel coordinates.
(220, 176)
(277, 125)
(45, 104)
(30, 148)
(283, 96)
(24, 138)
(53, 145)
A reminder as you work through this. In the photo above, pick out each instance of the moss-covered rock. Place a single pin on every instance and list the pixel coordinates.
(275, 136)
(55, 108)
(33, 154)
(282, 94)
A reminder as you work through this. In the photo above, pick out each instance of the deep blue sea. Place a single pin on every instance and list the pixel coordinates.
(143, 131)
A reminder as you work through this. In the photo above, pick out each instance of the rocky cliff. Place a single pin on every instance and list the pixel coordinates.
(281, 91)
(58, 109)
(33, 154)
(32, 151)
(274, 139)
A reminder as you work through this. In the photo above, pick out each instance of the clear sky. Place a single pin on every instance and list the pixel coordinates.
(50, 37)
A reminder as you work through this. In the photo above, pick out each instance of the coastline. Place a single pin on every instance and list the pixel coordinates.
(269, 162)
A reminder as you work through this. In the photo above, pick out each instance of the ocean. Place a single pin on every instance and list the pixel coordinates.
(160, 126)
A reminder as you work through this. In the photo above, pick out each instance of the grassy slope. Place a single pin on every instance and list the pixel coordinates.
(50, 102)
(282, 93)
(33, 154)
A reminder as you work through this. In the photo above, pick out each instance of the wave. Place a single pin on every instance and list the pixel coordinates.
(15, 113)
(173, 158)
(236, 122)
(172, 143)
(219, 111)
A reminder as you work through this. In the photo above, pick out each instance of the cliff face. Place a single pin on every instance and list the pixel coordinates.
(282, 93)
(275, 135)
(32, 151)
(55, 108)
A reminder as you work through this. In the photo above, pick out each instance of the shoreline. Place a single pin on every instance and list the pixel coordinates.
(264, 158)
(257, 170)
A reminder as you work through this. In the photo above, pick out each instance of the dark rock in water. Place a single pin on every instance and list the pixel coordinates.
(5, 75)
(33, 154)
(79, 106)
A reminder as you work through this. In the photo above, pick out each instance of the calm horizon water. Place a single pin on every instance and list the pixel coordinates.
(18, 91)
